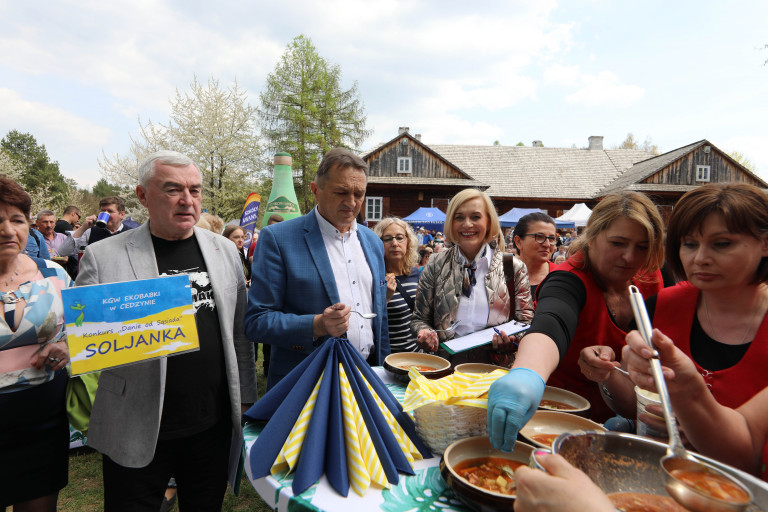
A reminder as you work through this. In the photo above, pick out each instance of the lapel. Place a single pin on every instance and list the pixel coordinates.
(141, 254)
(376, 274)
(316, 246)
(217, 268)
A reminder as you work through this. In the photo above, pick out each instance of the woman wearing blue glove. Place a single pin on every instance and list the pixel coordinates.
(583, 303)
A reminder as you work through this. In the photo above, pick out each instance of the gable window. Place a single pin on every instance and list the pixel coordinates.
(702, 173)
(404, 165)
(373, 208)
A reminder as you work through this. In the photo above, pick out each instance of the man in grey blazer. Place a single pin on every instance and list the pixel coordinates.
(179, 415)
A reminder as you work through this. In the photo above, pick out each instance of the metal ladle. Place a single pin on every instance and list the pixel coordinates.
(677, 456)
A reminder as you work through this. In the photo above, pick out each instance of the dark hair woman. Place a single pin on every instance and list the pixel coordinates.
(34, 430)
(236, 234)
(717, 244)
(535, 238)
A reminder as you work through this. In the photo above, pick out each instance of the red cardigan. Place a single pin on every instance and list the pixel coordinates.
(732, 387)
(595, 327)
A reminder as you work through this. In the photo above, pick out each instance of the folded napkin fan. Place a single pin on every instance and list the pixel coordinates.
(333, 415)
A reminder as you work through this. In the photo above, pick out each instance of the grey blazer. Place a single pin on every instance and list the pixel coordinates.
(125, 419)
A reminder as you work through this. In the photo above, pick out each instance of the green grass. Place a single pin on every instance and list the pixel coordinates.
(85, 491)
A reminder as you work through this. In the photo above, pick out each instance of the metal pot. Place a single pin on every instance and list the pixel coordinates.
(619, 462)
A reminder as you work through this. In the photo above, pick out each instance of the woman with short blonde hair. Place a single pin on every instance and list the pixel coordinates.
(467, 283)
(468, 194)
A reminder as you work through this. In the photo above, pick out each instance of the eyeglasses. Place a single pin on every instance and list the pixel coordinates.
(541, 238)
(389, 239)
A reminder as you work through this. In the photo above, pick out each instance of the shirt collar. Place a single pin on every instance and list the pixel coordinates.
(328, 229)
(485, 253)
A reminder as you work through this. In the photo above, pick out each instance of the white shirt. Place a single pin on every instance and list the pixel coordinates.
(473, 310)
(354, 280)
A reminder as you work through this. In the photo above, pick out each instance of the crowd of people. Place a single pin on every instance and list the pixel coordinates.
(321, 275)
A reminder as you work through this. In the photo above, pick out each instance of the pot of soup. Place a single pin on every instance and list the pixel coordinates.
(627, 467)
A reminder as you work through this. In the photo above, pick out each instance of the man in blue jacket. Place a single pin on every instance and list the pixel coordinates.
(310, 274)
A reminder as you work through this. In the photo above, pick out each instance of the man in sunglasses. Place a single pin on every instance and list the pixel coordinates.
(67, 221)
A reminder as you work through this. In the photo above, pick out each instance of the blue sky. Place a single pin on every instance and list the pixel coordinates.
(78, 74)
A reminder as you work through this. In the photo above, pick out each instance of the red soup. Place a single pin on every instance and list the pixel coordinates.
(491, 473)
(711, 484)
(639, 502)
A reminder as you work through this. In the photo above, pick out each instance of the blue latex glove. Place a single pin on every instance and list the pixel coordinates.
(512, 400)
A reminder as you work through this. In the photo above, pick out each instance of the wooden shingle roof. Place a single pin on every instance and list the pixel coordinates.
(521, 171)
(636, 173)
(632, 178)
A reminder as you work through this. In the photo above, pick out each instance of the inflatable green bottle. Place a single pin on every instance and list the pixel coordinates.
(282, 199)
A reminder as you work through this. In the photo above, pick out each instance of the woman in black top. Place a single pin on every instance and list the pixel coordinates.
(400, 245)
(236, 234)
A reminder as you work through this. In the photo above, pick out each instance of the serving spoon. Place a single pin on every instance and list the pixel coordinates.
(677, 457)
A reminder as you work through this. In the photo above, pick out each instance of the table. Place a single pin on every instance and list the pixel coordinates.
(426, 490)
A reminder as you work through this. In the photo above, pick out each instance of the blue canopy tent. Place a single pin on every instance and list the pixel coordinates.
(429, 218)
(509, 219)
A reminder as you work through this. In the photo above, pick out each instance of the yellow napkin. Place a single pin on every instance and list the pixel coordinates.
(455, 389)
(289, 454)
(363, 465)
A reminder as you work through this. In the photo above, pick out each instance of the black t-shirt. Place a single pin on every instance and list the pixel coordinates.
(196, 395)
(709, 353)
(62, 227)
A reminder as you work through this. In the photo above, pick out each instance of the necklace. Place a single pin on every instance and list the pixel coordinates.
(749, 324)
(14, 274)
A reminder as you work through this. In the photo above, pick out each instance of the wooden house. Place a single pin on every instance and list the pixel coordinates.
(406, 174)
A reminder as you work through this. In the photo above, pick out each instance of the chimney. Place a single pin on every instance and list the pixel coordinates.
(596, 143)
(402, 130)
(417, 136)
(537, 144)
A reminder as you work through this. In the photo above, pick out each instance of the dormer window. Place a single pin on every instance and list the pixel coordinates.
(702, 173)
(404, 165)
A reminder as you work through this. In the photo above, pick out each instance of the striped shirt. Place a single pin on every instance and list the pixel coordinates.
(401, 339)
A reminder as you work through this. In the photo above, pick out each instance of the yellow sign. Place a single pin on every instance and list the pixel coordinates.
(116, 324)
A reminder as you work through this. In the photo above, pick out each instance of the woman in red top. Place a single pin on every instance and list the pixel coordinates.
(583, 302)
(563, 487)
(717, 240)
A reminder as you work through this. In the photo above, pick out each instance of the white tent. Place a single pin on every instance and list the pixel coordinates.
(579, 215)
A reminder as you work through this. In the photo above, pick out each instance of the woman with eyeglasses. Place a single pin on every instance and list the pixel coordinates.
(402, 277)
(535, 238)
(584, 302)
(467, 282)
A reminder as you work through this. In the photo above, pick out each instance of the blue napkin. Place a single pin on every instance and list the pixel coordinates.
(311, 463)
(403, 418)
(336, 456)
(271, 440)
(308, 370)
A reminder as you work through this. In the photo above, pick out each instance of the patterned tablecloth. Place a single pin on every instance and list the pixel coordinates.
(426, 490)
